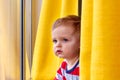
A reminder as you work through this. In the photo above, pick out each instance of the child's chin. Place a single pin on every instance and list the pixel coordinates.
(60, 56)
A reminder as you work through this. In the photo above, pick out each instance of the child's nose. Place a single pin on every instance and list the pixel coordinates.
(58, 44)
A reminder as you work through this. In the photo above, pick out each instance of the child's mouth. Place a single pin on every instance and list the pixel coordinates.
(59, 51)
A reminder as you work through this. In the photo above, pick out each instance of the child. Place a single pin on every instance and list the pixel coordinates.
(66, 39)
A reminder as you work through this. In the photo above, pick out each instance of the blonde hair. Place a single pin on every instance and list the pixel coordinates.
(71, 20)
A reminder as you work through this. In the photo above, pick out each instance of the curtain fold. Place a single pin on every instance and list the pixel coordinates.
(45, 63)
(100, 41)
(43, 58)
(9, 48)
(86, 39)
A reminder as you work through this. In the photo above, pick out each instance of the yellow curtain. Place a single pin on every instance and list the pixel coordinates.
(45, 63)
(9, 46)
(100, 40)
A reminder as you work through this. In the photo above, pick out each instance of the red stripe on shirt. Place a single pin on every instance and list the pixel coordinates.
(64, 78)
(75, 71)
(64, 64)
(59, 71)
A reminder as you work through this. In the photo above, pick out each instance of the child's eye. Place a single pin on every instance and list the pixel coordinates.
(65, 40)
(54, 41)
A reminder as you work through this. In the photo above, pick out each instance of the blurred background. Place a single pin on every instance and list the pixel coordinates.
(10, 37)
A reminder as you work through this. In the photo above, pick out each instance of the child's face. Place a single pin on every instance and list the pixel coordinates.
(66, 42)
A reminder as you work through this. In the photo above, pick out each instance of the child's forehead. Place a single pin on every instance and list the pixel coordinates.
(63, 32)
(68, 27)
(64, 29)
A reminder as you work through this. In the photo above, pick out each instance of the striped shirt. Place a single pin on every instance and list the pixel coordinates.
(64, 74)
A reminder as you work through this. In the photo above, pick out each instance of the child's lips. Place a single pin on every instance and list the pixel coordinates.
(59, 51)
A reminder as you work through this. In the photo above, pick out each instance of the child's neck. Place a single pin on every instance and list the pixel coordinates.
(72, 62)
